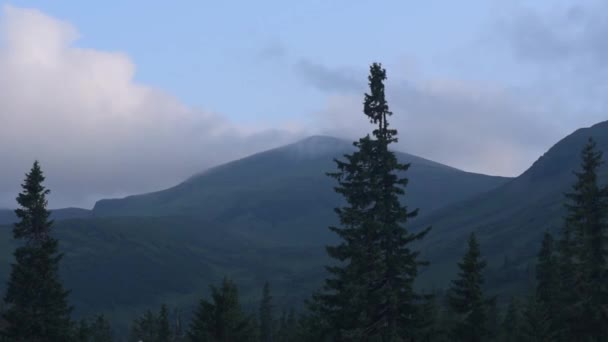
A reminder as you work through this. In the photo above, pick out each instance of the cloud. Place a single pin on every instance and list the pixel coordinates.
(552, 79)
(567, 32)
(272, 51)
(95, 130)
(328, 79)
(469, 126)
(564, 50)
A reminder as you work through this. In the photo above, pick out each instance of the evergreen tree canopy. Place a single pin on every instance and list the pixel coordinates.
(512, 322)
(370, 290)
(222, 319)
(37, 305)
(164, 326)
(266, 316)
(152, 326)
(584, 270)
(547, 280)
(466, 298)
(536, 326)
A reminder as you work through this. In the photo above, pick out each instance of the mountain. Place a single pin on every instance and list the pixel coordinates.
(7, 216)
(510, 219)
(260, 218)
(283, 195)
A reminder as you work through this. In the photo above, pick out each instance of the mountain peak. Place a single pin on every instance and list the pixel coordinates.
(317, 145)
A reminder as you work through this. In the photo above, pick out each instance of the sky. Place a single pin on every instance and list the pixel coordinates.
(117, 98)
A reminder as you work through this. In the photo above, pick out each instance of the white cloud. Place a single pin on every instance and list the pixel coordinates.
(474, 127)
(95, 130)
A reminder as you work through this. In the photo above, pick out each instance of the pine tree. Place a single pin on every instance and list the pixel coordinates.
(164, 326)
(466, 297)
(145, 328)
(492, 319)
(512, 322)
(567, 297)
(536, 325)
(547, 279)
(427, 319)
(83, 331)
(37, 306)
(100, 330)
(370, 290)
(266, 316)
(222, 319)
(292, 325)
(586, 231)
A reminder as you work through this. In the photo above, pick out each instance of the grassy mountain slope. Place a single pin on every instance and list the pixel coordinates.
(260, 218)
(511, 219)
(283, 196)
(7, 216)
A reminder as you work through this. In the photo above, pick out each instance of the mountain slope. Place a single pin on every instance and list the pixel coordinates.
(283, 195)
(511, 219)
(7, 216)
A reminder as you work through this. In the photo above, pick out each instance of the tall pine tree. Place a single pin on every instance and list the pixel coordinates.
(536, 326)
(370, 290)
(266, 316)
(222, 319)
(466, 298)
(586, 231)
(37, 305)
(164, 326)
(547, 280)
(512, 322)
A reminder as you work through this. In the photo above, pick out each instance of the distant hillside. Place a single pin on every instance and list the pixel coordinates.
(283, 195)
(511, 219)
(7, 216)
(260, 218)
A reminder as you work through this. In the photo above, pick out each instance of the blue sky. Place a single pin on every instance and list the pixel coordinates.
(209, 52)
(111, 87)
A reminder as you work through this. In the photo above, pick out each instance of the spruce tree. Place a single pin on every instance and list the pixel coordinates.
(511, 324)
(587, 222)
(266, 316)
(164, 326)
(547, 279)
(222, 319)
(369, 293)
(565, 316)
(37, 305)
(145, 328)
(100, 330)
(466, 298)
(536, 326)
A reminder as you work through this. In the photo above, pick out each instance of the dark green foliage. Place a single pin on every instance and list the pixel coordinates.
(547, 274)
(466, 298)
(547, 280)
(313, 325)
(247, 208)
(98, 330)
(369, 293)
(145, 328)
(536, 326)
(584, 263)
(266, 315)
(221, 319)
(567, 297)
(511, 323)
(427, 326)
(492, 320)
(37, 307)
(152, 327)
(164, 326)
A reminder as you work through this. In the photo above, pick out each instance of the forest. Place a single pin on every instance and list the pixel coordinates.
(369, 291)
